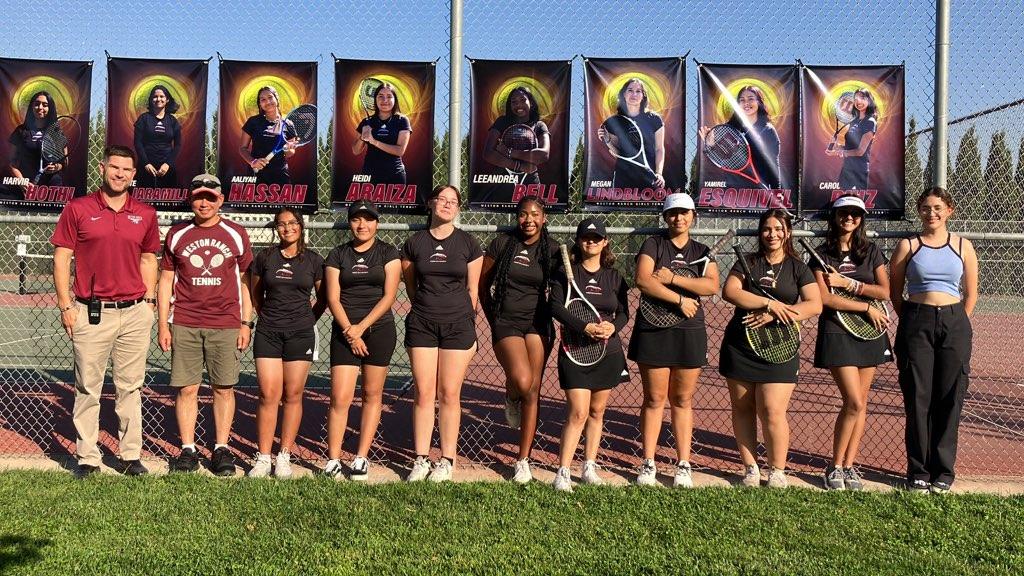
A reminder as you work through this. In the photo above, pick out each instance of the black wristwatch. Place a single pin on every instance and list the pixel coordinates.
(251, 324)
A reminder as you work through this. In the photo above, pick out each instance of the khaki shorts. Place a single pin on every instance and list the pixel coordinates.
(190, 346)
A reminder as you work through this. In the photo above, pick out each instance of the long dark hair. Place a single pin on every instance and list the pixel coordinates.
(172, 104)
(871, 109)
(301, 243)
(622, 109)
(273, 91)
(534, 112)
(938, 192)
(787, 223)
(858, 240)
(435, 193)
(504, 262)
(762, 110)
(386, 86)
(31, 122)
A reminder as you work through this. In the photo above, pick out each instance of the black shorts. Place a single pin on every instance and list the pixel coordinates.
(834, 349)
(682, 347)
(288, 345)
(503, 328)
(380, 341)
(423, 333)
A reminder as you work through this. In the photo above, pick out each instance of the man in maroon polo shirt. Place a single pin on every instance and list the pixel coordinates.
(205, 317)
(114, 240)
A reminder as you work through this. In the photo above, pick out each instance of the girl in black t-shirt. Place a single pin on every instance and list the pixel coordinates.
(587, 388)
(362, 279)
(756, 125)
(757, 387)
(857, 265)
(282, 277)
(517, 268)
(633, 105)
(520, 108)
(384, 137)
(856, 150)
(158, 140)
(26, 143)
(670, 359)
(441, 268)
(260, 136)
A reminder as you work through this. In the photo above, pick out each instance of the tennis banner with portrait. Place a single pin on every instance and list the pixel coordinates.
(853, 119)
(44, 133)
(383, 134)
(633, 138)
(266, 135)
(747, 129)
(158, 108)
(519, 133)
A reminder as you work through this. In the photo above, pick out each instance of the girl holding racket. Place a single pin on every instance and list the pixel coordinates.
(759, 389)
(260, 136)
(933, 340)
(587, 387)
(670, 359)
(158, 140)
(520, 110)
(754, 121)
(26, 143)
(517, 268)
(441, 267)
(384, 136)
(857, 265)
(362, 277)
(282, 279)
(632, 108)
(856, 153)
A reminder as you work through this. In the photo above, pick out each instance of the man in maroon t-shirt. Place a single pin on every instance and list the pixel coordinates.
(205, 317)
(114, 240)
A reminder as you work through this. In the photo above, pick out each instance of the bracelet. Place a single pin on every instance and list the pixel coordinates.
(149, 300)
(680, 300)
(672, 282)
(249, 324)
(66, 308)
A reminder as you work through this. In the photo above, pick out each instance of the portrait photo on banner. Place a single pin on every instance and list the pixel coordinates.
(519, 139)
(633, 141)
(383, 134)
(267, 135)
(853, 135)
(747, 129)
(158, 108)
(44, 133)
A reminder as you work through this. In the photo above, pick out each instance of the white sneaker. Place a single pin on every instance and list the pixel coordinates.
(752, 476)
(333, 470)
(777, 478)
(514, 412)
(589, 475)
(563, 482)
(523, 474)
(442, 471)
(283, 465)
(359, 469)
(420, 470)
(648, 475)
(261, 466)
(684, 476)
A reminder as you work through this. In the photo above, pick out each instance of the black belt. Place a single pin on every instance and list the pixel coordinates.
(119, 304)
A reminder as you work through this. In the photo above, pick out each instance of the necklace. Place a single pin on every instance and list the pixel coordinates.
(773, 272)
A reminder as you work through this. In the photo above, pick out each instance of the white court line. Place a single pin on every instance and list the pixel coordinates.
(32, 338)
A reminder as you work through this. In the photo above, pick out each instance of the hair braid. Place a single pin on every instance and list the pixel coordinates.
(501, 276)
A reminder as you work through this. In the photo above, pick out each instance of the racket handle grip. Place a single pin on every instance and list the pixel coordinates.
(268, 158)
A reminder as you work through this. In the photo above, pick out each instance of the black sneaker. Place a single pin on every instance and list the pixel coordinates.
(222, 463)
(834, 478)
(940, 487)
(133, 468)
(85, 470)
(918, 486)
(187, 461)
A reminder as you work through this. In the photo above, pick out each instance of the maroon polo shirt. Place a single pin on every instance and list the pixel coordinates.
(108, 245)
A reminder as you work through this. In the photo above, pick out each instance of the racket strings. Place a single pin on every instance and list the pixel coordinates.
(776, 342)
(519, 138)
(304, 122)
(729, 149)
(580, 347)
(857, 323)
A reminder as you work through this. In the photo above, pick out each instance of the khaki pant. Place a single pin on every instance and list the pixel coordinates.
(124, 336)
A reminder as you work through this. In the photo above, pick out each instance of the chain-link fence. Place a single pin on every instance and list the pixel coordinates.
(986, 177)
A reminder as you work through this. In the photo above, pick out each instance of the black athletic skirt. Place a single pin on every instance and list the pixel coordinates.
(834, 349)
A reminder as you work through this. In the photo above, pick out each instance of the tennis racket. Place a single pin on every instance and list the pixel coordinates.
(519, 137)
(843, 111)
(775, 342)
(57, 141)
(662, 314)
(578, 347)
(366, 90)
(627, 141)
(302, 120)
(858, 324)
(727, 148)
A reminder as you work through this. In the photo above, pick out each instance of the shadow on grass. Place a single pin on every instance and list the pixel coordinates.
(19, 550)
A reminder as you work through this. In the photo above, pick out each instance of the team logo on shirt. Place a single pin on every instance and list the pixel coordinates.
(847, 267)
(522, 259)
(284, 272)
(360, 267)
(438, 257)
(206, 255)
(383, 130)
(678, 261)
(135, 219)
(768, 280)
(593, 288)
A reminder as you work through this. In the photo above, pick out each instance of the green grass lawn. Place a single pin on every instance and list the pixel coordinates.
(51, 523)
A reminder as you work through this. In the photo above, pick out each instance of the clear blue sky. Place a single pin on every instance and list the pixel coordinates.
(985, 69)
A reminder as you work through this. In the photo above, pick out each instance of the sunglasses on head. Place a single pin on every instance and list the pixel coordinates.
(204, 183)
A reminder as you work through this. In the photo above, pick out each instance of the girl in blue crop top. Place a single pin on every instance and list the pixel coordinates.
(933, 341)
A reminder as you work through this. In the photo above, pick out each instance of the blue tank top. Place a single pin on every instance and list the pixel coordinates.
(935, 269)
